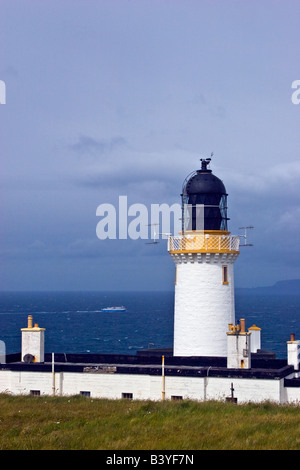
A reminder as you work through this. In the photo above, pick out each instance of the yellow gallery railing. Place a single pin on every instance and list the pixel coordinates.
(204, 242)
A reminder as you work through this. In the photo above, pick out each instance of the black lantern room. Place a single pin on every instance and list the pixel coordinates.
(204, 199)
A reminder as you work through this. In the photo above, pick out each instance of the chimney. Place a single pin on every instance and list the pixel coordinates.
(33, 339)
(255, 338)
(293, 348)
(238, 346)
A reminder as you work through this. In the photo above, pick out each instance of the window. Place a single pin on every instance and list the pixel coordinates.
(85, 393)
(35, 392)
(176, 397)
(225, 274)
(129, 396)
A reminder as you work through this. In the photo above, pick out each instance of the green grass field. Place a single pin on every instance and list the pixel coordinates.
(80, 423)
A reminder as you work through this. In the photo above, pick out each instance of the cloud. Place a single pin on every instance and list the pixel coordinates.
(279, 179)
(87, 145)
(124, 168)
(289, 221)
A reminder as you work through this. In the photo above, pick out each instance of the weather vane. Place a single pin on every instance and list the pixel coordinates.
(206, 161)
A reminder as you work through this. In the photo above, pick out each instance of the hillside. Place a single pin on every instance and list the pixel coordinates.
(291, 287)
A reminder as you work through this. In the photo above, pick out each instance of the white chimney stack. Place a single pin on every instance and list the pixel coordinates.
(33, 340)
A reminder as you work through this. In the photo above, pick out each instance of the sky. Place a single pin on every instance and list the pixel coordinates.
(110, 98)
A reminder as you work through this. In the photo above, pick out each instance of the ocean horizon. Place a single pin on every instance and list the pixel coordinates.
(75, 323)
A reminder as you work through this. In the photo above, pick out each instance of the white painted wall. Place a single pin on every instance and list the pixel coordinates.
(33, 340)
(146, 387)
(255, 338)
(293, 350)
(204, 307)
(239, 350)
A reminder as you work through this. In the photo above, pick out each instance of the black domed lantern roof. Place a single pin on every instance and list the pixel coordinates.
(205, 197)
(204, 182)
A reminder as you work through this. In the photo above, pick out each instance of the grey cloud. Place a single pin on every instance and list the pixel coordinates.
(128, 166)
(89, 145)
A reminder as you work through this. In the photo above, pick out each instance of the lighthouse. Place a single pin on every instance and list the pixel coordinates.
(204, 253)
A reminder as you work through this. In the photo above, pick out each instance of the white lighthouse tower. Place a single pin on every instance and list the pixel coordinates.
(204, 254)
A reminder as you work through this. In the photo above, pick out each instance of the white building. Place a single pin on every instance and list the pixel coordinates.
(157, 375)
(204, 253)
(213, 357)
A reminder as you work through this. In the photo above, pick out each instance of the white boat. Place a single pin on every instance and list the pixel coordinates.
(114, 309)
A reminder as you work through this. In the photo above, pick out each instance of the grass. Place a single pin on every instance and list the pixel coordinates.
(81, 423)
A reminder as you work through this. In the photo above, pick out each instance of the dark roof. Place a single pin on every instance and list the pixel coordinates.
(151, 365)
(204, 182)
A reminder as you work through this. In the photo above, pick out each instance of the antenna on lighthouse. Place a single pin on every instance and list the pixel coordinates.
(155, 242)
(249, 227)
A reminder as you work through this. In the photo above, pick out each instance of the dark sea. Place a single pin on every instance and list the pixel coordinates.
(75, 324)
